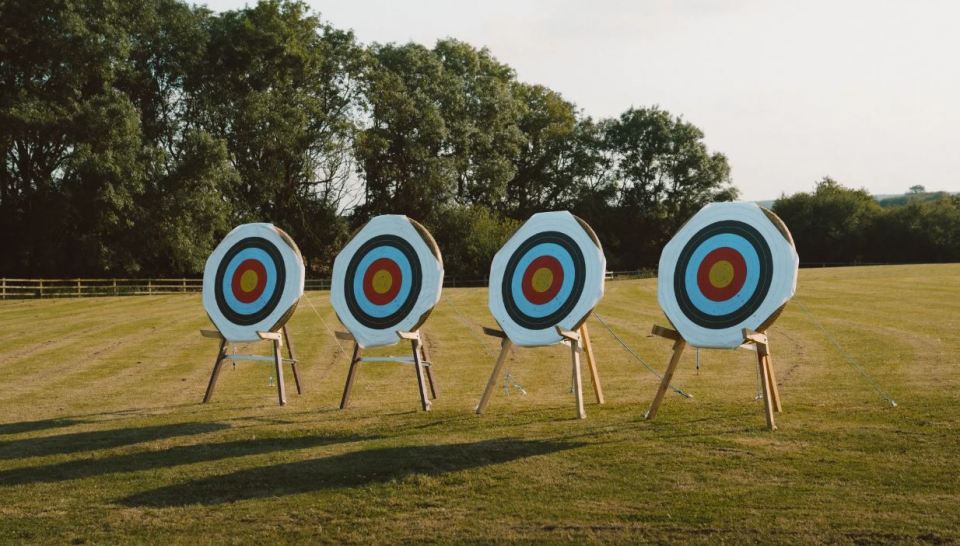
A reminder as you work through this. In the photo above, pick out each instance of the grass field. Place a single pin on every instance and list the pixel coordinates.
(102, 438)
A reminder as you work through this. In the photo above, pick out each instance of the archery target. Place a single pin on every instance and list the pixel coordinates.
(550, 273)
(252, 281)
(386, 279)
(732, 266)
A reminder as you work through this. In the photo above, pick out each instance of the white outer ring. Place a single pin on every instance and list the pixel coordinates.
(782, 287)
(292, 291)
(430, 266)
(596, 265)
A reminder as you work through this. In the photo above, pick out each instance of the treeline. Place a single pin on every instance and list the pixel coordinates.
(134, 135)
(839, 225)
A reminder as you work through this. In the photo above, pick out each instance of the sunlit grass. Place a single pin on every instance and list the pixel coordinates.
(103, 439)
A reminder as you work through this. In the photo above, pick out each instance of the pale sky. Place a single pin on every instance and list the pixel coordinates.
(867, 92)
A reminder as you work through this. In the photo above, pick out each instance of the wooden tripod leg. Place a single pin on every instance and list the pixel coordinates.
(591, 363)
(772, 378)
(765, 381)
(678, 346)
(348, 386)
(293, 359)
(577, 379)
(418, 366)
(278, 360)
(221, 355)
(428, 366)
(495, 376)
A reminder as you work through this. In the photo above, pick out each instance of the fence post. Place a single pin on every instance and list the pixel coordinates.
(183, 285)
(78, 288)
(114, 287)
(41, 288)
(149, 287)
(4, 293)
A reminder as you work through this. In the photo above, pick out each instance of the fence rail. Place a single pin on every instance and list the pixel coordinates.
(85, 288)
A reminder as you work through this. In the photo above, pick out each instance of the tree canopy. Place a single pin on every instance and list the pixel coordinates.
(133, 137)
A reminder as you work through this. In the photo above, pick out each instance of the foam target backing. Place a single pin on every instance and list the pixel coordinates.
(252, 281)
(549, 273)
(386, 279)
(731, 266)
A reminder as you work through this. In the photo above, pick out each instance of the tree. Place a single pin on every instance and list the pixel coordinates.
(832, 224)
(441, 129)
(278, 87)
(664, 174)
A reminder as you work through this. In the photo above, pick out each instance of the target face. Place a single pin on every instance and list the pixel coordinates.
(732, 266)
(252, 281)
(386, 279)
(550, 273)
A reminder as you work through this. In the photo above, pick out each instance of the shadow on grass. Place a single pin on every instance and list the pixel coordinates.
(32, 426)
(99, 439)
(354, 469)
(180, 455)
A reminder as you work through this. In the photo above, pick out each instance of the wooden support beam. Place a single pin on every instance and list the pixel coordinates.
(271, 336)
(351, 375)
(591, 363)
(505, 344)
(666, 332)
(493, 332)
(678, 347)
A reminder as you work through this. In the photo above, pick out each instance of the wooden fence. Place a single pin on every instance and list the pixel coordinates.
(82, 288)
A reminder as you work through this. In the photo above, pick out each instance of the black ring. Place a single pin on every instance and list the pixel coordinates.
(271, 305)
(579, 279)
(416, 280)
(759, 244)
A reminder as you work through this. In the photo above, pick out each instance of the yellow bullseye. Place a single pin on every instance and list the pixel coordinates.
(382, 281)
(721, 274)
(248, 280)
(542, 279)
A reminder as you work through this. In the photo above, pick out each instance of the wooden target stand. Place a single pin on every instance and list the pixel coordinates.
(752, 341)
(577, 341)
(420, 360)
(277, 339)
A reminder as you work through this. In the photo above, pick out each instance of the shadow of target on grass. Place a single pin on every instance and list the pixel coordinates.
(354, 469)
(167, 458)
(76, 442)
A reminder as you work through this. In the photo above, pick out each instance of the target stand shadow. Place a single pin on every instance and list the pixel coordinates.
(420, 360)
(277, 339)
(752, 341)
(578, 341)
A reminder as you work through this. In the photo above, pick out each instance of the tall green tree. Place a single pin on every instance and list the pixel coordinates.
(831, 224)
(278, 86)
(664, 174)
(441, 128)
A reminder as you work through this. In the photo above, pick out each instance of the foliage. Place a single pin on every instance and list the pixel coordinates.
(468, 238)
(835, 224)
(103, 439)
(135, 136)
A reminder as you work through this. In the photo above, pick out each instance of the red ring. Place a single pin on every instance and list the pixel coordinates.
(246, 265)
(393, 269)
(739, 274)
(539, 298)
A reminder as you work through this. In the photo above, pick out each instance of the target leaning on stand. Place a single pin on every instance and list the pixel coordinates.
(386, 279)
(732, 266)
(252, 281)
(550, 273)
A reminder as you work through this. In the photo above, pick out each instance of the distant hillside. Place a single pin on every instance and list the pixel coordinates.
(887, 200)
(901, 200)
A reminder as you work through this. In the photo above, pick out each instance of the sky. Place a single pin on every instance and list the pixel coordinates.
(867, 92)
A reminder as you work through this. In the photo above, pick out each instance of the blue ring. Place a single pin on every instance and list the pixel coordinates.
(261, 256)
(738, 300)
(535, 310)
(370, 308)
